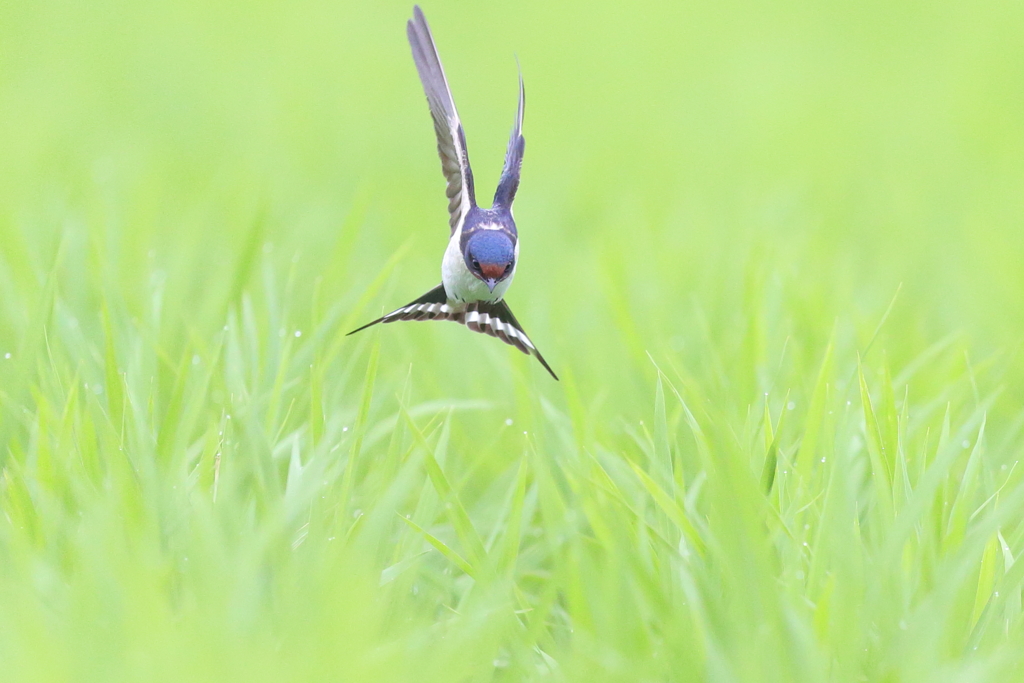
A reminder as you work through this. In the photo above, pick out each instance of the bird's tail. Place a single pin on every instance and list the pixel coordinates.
(430, 306)
(495, 319)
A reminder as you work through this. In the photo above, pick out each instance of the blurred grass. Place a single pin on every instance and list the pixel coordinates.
(772, 248)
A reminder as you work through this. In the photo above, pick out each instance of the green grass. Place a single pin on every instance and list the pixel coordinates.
(772, 249)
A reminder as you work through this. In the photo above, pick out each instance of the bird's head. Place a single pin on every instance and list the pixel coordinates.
(490, 256)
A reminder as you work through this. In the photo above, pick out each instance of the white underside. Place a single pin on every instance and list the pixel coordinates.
(460, 284)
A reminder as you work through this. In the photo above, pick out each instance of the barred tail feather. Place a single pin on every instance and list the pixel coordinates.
(494, 319)
(497, 320)
(431, 306)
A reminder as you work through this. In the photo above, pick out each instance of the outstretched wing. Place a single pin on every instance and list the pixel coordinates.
(509, 182)
(430, 306)
(451, 140)
(496, 319)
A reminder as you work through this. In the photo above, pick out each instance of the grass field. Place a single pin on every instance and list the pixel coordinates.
(773, 250)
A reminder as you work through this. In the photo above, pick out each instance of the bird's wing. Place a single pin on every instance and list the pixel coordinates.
(451, 140)
(430, 306)
(496, 319)
(509, 182)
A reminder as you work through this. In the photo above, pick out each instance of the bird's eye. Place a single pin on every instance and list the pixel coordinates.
(508, 267)
(476, 264)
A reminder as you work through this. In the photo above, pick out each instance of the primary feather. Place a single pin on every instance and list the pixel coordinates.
(451, 140)
(509, 182)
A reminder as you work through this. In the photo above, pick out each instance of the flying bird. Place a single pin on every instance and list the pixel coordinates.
(483, 251)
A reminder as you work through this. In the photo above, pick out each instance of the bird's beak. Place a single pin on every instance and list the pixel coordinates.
(491, 283)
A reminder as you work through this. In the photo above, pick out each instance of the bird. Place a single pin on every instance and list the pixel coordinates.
(483, 249)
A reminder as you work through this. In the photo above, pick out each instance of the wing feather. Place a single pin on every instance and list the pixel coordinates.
(451, 139)
(509, 181)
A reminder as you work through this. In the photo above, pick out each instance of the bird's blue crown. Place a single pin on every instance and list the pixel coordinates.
(490, 246)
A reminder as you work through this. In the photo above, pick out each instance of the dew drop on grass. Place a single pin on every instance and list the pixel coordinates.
(298, 333)
(344, 429)
(508, 423)
(903, 625)
(195, 359)
(790, 405)
(7, 355)
(965, 443)
(97, 389)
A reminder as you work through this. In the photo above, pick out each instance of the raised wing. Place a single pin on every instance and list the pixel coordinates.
(451, 140)
(509, 182)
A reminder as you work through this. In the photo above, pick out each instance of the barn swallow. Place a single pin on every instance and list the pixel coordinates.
(483, 251)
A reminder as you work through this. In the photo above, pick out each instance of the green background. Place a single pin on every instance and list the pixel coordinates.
(773, 250)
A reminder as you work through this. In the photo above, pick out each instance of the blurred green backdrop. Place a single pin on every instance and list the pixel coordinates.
(772, 249)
